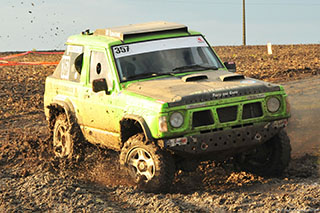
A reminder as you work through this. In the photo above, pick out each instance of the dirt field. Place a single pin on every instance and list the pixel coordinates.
(32, 180)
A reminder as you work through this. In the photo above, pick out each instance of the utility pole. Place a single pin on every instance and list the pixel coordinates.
(244, 22)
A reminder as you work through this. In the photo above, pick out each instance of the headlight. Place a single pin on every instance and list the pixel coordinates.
(176, 119)
(273, 104)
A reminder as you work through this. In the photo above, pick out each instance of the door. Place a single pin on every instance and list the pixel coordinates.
(98, 123)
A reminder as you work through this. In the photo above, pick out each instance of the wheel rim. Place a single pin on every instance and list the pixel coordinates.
(61, 142)
(141, 164)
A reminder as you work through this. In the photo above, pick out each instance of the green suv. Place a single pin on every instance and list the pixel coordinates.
(158, 93)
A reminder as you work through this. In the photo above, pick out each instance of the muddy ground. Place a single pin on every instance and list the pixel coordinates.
(32, 180)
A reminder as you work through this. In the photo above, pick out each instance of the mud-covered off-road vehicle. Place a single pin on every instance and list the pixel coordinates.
(158, 93)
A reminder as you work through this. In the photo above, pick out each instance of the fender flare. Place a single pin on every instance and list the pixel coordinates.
(142, 123)
(66, 105)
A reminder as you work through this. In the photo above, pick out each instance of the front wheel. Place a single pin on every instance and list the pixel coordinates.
(151, 168)
(268, 159)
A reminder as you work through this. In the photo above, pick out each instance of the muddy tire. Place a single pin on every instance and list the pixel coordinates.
(151, 168)
(66, 138)
(269, 159)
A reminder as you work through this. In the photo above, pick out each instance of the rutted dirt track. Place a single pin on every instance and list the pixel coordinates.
(31, 180)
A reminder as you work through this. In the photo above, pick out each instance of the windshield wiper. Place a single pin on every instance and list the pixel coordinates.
(189, 68)
(193, 67)
(147, 75)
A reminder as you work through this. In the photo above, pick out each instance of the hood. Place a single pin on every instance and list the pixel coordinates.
(199, 87)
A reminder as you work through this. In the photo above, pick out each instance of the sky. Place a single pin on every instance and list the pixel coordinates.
(46, 24)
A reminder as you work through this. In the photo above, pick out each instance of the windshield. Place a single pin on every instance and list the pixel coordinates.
(164, 57)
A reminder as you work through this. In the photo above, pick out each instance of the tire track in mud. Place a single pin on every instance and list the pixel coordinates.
(303, 127)
(37, 182)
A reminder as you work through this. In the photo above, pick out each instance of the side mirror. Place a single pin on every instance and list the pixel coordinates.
(231, 66)
(100, 85)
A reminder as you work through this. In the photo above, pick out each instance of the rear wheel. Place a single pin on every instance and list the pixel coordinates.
(269, 159)
(65, 138)
(151, 168)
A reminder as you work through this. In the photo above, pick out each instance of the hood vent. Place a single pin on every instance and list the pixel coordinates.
(231, 77)
(194, 77)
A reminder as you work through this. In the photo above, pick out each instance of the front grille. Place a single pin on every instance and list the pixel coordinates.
(227, 114)
(202, 118)
(252, 110)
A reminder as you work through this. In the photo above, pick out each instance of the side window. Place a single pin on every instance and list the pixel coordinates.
(99, 67)
(75, 71)
(70, 65)
(65, 67)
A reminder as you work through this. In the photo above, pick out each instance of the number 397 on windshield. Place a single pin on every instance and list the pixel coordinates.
(121, 49)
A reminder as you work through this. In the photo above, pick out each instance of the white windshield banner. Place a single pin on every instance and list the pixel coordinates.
(158, 45)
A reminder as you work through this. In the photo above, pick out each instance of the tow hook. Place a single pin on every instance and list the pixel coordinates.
(257, 137)
(204, 146)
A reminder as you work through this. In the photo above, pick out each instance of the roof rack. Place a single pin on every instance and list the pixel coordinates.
(124, 32)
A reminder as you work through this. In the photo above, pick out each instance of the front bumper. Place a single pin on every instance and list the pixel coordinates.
(232, 140)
